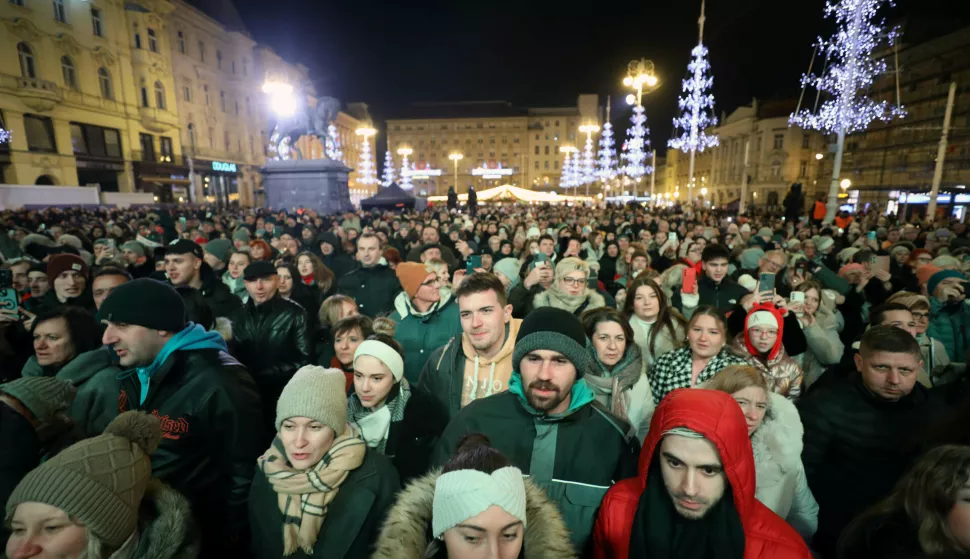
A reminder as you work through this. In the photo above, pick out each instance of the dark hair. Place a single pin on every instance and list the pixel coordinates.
(388, 341)
(197, 309)
(358, 321)
(594, 317)
(878, 314)
(546, 236)
(475, 452)
(480, 282)
(110, 271)
(713, 312)
(380, 243)
(713, 252)
(667, 319)
(81, 325)
(889, 339)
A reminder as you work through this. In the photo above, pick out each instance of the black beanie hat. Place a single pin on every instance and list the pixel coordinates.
(555, 330)
(145, 302)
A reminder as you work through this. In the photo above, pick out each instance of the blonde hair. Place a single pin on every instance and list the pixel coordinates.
(435, 265)
(736, 377)
(910, 300)
(947, 262)
(569, 265)
(330, 308)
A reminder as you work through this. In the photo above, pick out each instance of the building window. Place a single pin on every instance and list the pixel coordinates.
(546, 164)
(547, 150)
(97, 22)
(537, 150)
(779, 141)
(104, 80)
(557, 124)
(236, 107)
(803, 169)
(69, 72)
(26, 55)
(537, 165)
(181, 42)
(806, 139)
(245, 67)
(112, 143)
(77, 139)
(137, 38)
(225, 139)
(555, 164)
(205, 90)
(147, 147)
(144, 96)
(152, 41)
(219, 59)
(159, 95)
(40, 133)
(249, 111)
(191, 135)
(60, 12)
(165, 148)
(87, 139)
(776, 169)
(212, 137)
(187, 94)
(202, 51)
(17, 3)
(222, 101)
(252, 147)
(234, 67)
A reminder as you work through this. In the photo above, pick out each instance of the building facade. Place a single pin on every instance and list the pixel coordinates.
(499, 143)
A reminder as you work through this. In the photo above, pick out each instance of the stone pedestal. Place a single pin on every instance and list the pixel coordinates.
(317, 184)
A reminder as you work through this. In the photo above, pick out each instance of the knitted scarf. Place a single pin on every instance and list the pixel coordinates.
(304, 495)
(562, 300)
(609, 383)
(396, 402)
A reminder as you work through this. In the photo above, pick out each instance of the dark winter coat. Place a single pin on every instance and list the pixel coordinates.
(166, 529)
(353, 520)
(857, 445)
(96, 392)
(406, 533)
(272, 340)
(50, 302)
(338, 262)
(210, 413)
(725, 296)
(891, 536)
(217, 294)
(20, 452)
(422, 333)
(373, 288)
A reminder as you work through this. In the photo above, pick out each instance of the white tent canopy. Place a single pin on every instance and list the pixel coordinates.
(509, 192)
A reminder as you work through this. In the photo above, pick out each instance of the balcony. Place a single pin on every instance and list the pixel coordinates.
(157, 120)
(40, 95)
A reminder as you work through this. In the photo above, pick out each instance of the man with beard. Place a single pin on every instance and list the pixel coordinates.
(694, 494)
(477, 362)
(547, 423)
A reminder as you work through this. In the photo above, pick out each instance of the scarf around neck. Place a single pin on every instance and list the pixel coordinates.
(372, 425)
(608, 383)
(565, 301)
(303, 496)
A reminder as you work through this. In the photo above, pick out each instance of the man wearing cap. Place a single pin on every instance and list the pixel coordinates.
(949, 311)
(185, 265)
(207, 402)
(548, 425)
(374, 285)
(270, 333)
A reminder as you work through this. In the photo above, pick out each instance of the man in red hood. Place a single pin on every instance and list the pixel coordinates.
(694, 496)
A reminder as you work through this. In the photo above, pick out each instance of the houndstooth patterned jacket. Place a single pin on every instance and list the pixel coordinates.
(673, 370)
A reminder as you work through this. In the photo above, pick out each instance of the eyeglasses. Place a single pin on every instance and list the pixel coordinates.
(573, 282)
(431, 283)
(772, 265)
(921, 316)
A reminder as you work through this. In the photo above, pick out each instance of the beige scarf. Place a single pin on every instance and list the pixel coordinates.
(304, 495)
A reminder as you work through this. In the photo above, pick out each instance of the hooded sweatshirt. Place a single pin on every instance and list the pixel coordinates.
(192, 338)
(484, 376)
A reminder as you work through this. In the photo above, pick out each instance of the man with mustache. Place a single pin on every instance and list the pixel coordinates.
(548, 425)
(860, 429)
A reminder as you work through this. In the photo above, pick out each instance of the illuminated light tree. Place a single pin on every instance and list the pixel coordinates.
(405, 168)
(696, 108)
(606, 164)
(637, 144)
(849, 71)
(4, 136)
(366, 172)
(332, 145)
(589, 163)
(575, 169)
(565, 179)
(388, 175)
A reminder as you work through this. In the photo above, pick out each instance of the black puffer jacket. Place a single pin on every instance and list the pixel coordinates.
(338, 262)
(857, 445)
(273, 341)
(209, 409)
(373, 288)
(217, 294)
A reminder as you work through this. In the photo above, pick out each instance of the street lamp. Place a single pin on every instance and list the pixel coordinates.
(640, 73)
(455, 158)
(819, 156)
(846, 183)
(281, 98)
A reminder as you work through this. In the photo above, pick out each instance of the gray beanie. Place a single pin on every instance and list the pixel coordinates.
(317, 393)
(220, 248)
(555, 330)
(42, 396)
(134, 246)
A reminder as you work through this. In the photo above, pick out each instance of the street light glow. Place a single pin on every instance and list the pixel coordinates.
(631, 99)
(366, 131)
(405, 151)
(282, 101)
(456, 156)
(589, 128)
(845, 183)
(819, 156)
(628, 81)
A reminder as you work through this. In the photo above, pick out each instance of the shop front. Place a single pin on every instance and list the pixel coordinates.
(167, 180)
(220, 181)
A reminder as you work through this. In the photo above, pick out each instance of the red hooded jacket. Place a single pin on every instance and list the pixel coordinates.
(717, 417)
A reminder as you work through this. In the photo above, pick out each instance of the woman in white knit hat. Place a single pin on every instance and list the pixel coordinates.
(318, 490)
(390, 415)
(478, 505)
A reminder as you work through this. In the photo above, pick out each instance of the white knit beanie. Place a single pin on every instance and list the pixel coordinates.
(762, 318)
(317, 393)
(464, 494)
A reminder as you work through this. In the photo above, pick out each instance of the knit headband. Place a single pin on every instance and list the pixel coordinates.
(383, 353)
(463, 494)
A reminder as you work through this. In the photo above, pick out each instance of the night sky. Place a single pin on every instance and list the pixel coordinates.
(541, 53)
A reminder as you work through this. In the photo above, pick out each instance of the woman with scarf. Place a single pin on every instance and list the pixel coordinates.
(658, 328)
(387, 413)
(618, 377)
(477, 502)
(775, 429)
(569, 290)
(318, 491)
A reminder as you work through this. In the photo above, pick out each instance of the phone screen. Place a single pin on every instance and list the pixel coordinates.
(8, 300)
(539, 259)
(766, 282)
(880, 263)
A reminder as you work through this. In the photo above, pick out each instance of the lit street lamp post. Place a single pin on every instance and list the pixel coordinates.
(404, 152)
(642, 77)
(455, 158)
(588, 173)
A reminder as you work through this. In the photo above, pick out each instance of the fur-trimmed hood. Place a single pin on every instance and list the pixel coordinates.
(165, 527)
(406, 533)
(224, 327)
(554, 298)
(777, 444)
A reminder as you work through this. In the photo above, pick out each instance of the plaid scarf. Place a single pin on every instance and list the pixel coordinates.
(396, 402)
(304, 495)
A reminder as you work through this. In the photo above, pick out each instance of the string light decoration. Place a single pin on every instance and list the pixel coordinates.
(405, 168)
(366, 173)
(387, 177)
(636, 146)
(588, 170)
(332, 145)
(565, 179)
(606, 164)
(849, 71)
(696, 106)
(5, 136)
(575, 169)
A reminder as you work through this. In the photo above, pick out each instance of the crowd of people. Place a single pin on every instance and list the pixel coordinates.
(517, 381)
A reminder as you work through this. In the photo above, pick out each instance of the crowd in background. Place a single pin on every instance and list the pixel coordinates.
(504, 381)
